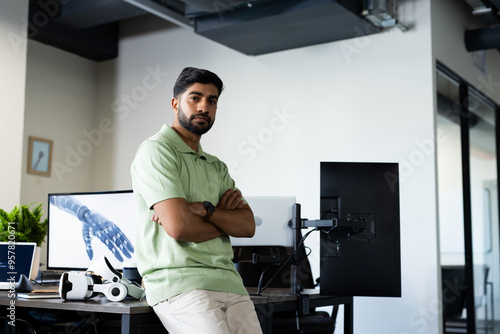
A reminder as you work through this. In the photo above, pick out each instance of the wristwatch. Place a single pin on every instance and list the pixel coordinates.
(210, 209)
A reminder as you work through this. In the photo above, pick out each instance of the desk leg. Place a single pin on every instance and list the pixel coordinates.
(130, 324)
(348, 318)
(265, 316)
(142, 324)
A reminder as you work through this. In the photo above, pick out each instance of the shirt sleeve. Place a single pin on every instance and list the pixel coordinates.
(226, 180)
(155, 173)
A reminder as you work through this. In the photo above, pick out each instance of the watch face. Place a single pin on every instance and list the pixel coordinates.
(209, 206)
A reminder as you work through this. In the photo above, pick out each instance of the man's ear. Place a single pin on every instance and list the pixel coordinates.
(175, 104)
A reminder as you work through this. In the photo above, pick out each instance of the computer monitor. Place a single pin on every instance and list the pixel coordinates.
(360, 261)
(272, 214)
(16, 259)
(83, 226)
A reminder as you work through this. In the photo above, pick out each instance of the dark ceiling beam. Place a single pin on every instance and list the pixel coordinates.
(92, 13)
(88, 28)
(96, 43)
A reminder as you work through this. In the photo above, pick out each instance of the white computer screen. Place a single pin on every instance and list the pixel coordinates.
(84, 226)
(272, 214)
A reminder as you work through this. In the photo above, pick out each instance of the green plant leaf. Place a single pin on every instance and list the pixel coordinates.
(26, 222)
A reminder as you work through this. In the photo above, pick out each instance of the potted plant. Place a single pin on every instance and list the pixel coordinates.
(24, 224)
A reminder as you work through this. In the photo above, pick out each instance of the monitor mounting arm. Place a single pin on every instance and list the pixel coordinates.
(297, 224)
(355, 223)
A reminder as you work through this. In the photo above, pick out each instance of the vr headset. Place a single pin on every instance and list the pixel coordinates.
(100, 277)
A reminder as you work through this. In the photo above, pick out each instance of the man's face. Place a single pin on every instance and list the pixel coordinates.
(196, 107)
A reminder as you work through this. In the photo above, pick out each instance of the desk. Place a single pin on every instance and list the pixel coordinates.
(278, 300)
(135, 315)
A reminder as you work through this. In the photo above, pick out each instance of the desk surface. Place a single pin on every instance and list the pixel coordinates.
(101, 304)
(97, 304)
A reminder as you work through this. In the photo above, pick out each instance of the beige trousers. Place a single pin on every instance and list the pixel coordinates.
(208, 312)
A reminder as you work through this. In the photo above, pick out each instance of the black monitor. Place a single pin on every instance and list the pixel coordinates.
(87, 225)
(360, 261)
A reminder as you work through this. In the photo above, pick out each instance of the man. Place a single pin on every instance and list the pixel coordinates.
(188, 207)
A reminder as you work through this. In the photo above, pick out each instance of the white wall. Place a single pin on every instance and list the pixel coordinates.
(366, 99)
(60, 106)
(12, 81)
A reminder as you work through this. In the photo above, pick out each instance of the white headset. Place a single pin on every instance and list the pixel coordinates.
(100, 277)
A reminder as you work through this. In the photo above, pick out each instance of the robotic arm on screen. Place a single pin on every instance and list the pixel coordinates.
(96, 225)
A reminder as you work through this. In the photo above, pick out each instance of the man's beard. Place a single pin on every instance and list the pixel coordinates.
(192, 126)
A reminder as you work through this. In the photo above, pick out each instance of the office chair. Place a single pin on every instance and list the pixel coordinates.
(490, 322)
(453, 292)
(481, 273)
(454, 298)
(253, 261)
(253, 273)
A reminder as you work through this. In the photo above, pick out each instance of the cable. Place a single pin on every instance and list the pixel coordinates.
(309, 249)
(262, 276)
(24, 324)
(291, 256)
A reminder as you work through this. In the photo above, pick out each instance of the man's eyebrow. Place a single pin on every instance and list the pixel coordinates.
(193, 92)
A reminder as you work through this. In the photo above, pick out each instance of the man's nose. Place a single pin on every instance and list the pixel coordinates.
(203, 105)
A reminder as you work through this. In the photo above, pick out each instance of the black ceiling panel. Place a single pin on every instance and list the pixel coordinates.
(90, 28)
(284, 25)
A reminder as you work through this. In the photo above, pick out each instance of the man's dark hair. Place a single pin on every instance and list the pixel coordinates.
(191, 75)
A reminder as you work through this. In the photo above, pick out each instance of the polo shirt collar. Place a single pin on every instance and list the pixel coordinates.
(172, 137)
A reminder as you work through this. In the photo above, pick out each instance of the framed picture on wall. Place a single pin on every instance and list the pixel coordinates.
(39, 156)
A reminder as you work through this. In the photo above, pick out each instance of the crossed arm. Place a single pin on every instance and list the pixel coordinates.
(183, 220)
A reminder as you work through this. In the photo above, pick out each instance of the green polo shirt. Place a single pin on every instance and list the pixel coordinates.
(166, 167)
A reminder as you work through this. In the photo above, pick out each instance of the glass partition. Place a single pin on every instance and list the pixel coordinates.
(449, 162)
(484, 206)
(468, 204)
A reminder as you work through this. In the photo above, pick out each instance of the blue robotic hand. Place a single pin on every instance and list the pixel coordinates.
(96, 225)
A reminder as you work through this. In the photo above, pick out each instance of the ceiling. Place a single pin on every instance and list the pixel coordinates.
(90, 28)
(484, 38)
(487, 37)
